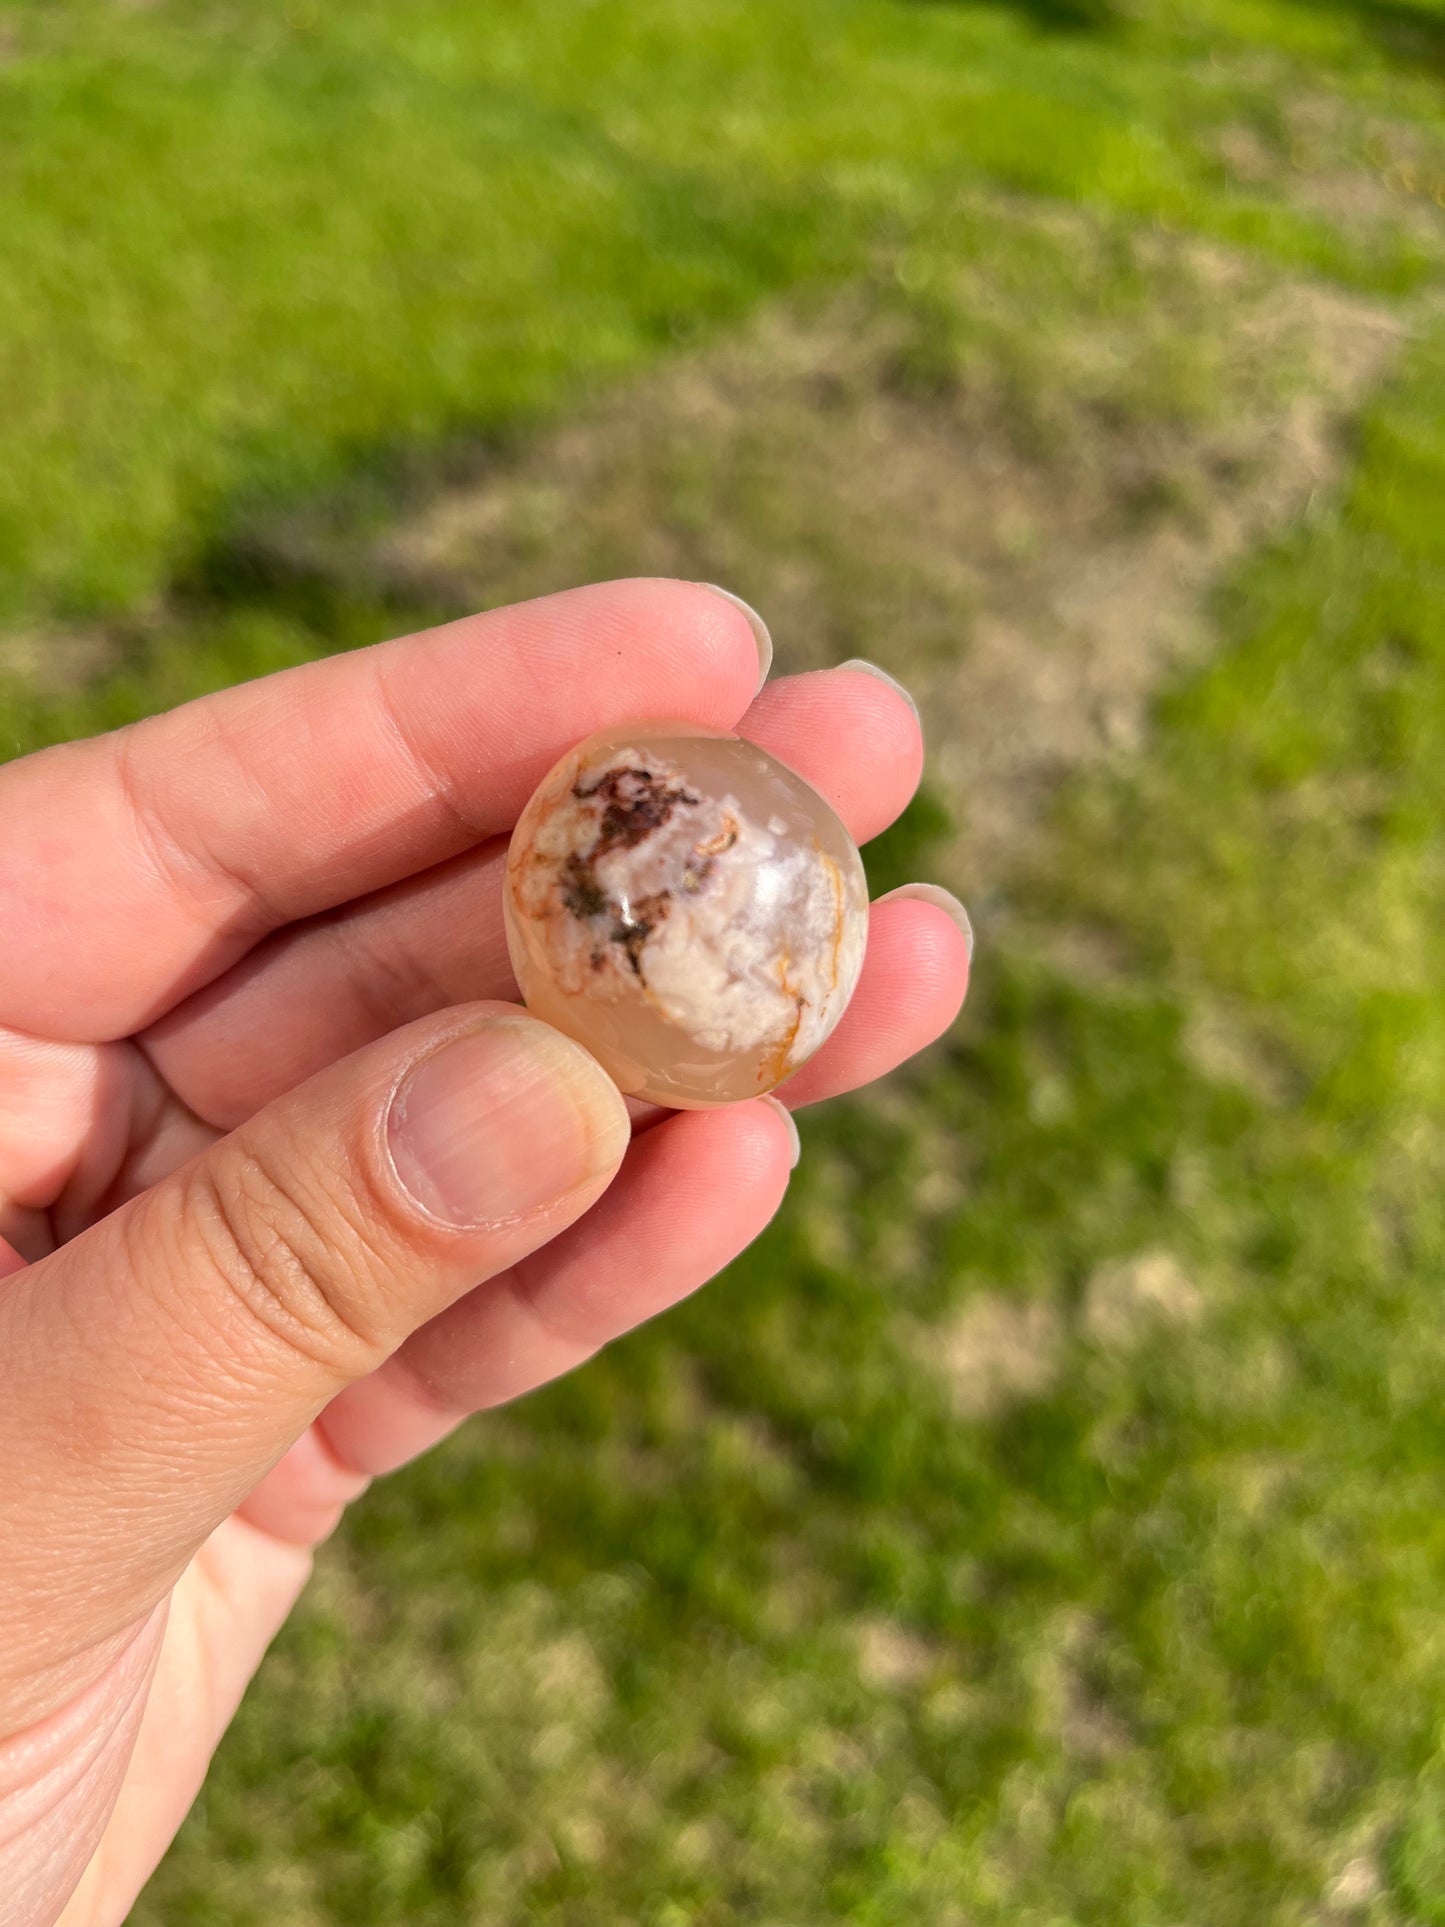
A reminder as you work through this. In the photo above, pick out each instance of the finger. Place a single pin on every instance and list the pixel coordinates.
(915, 976)
(228, 1607)
(912, 986)
(157, 1366)
(664, 1228)
(302, 1499)
(82, 1126)
(325, 987)
(850, 733)
(169, 848)
(693, 1193)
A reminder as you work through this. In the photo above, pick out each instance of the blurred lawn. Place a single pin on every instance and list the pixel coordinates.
(1042, 1524)
(246, 249)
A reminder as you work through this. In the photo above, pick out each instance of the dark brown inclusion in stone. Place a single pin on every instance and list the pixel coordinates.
(635, 803)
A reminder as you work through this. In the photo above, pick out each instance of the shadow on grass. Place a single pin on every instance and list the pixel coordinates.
(1411, 34)
(1049, 16)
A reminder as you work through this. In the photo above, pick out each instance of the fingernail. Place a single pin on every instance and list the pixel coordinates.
(502, 1122)
(786, 1115)
(755, 623)
(941, 899)
(872, 669)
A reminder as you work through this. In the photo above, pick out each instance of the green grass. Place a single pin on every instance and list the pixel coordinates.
(1041, 1525)
(247, 251)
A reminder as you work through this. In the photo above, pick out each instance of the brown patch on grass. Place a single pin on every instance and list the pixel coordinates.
(1010, 466)
(1362, 172)
(1354, 1894)
(1357, 1884)
(1220, 1044)
(995, 1353)
(1124, 1301)
(1016, 497)
(1085, 954)
(891, 1657)
(58, 660)
(1061, 1672)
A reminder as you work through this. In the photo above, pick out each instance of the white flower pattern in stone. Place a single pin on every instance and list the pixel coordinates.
(688, 908)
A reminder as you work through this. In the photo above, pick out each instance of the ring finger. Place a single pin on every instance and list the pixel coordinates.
(328, 986)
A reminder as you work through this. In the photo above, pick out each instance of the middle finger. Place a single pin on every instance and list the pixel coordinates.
(330, 985)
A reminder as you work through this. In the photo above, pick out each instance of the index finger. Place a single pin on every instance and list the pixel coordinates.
(136, 867)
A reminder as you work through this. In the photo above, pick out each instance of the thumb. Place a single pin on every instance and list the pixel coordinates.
(154, 1369)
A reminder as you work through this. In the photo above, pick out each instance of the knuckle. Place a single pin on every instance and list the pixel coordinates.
(292, 1263)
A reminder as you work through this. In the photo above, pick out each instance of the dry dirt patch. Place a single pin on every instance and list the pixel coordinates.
(891, 1657)
(1010, 467)
(1022, 513)
(59, 659)
(1366, 174)
(1126, 1300)
(995, 1353)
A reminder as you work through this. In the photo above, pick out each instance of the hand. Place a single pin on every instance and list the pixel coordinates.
(288, 1188)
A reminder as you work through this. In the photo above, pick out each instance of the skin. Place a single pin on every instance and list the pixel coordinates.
(227, 1302)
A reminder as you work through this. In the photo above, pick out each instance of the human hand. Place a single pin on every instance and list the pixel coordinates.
(287, 1188)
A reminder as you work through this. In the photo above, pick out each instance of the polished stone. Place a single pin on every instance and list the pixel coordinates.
(688, 908)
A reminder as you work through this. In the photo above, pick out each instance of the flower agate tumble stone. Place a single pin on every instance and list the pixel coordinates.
(687, 908)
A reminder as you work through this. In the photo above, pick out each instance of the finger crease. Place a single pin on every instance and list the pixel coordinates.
(173, 862)
(437, 784)
(444, 1400)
